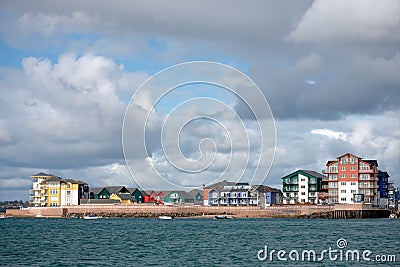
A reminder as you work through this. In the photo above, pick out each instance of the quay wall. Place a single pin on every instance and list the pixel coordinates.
(280, 211)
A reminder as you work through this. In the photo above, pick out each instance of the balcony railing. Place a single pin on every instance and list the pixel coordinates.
(367, 171)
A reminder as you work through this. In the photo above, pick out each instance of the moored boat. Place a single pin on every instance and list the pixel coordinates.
(223, 217)
(165, 217)
(90, 217)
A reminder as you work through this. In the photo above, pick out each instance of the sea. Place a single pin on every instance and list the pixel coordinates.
(199, 242)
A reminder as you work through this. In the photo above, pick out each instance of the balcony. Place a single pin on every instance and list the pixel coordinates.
(367, 171)
(288, 182)
(290, 189)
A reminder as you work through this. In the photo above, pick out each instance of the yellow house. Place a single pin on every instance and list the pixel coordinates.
(52, 186)
(52, 191)
(123, 198)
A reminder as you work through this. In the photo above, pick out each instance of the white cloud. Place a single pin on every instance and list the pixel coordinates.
(330, 134)
(349, 21)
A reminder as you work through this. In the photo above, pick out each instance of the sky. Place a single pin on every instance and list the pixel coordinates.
(71, 70)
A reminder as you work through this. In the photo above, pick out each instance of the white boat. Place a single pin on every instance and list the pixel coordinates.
(39, 215)
(165, 217)
(3, 216)
(90, 217)
(392, 216)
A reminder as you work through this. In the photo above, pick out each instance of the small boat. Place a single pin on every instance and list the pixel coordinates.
(223, 217)
(3, 216)
(165, 217)
(39, 215)
(392, 216)
(90, 217)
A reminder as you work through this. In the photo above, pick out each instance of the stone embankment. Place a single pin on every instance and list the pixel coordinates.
(153, 211)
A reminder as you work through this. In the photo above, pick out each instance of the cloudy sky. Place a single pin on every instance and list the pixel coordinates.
(68, 69)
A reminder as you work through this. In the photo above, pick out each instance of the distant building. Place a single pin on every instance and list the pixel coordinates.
(136, 194)
(106, 192)
(176, 197)
(302, 186)
(352, 179)
(240, 194)
(393, 197)
(123, 198)
(197, 196)
(52, 191)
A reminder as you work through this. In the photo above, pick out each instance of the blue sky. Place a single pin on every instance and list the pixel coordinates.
(68, 70)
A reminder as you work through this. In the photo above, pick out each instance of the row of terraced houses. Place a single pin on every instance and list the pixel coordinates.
(347, 179)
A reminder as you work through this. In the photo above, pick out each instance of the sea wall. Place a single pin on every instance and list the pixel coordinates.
(279, 211)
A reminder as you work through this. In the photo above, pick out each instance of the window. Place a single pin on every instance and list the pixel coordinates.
(352, 168)
(342, 183)
(343, 199)
(303, 186)
(302, 179)
(353, 183)
(343, 175)
(68, 193)
(353, 191)
(343, 191)
(303, 193)
(352, 175)
(343, 168)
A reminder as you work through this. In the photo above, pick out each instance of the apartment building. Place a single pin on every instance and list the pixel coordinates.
(302, 186)
(52, 191)
(352, 179)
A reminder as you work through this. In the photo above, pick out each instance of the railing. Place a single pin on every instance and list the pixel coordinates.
(367, 171)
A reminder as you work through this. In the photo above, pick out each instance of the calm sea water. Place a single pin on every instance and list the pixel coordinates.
(188, 242)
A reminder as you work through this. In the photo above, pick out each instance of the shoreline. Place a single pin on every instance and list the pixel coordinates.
(345, 211)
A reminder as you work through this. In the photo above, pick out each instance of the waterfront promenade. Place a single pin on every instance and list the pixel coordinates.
(279, 211)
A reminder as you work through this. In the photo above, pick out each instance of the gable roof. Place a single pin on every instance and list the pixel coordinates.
(115, 189)
(124, 196)
(42, 174)
(348, 154)
(54, 179)
(265, 188)
(306, 173)
(95, 190)
(314, 173)
(195, 192)
(132, 189)
(220, 184)
(371, 162)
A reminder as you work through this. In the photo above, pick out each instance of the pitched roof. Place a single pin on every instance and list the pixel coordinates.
(144, 193)
(95, 190)
(265, 188)
(330, 162)
(132, 189)
(313, 173)
(41, 174)
(195, 192)
(371, 161)
(54, 178)
(307, 173)
(115, 189)
(220, 184)
(125, 197)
